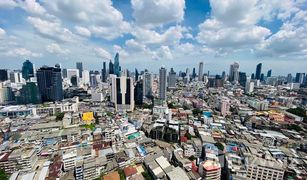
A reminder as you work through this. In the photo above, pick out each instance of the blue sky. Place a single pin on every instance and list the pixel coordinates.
(151, 33)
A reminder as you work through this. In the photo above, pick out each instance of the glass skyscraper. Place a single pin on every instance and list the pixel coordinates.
(258, 71)
(79, 66)
(49, 80)
(162, 83)
(116, 65)
(27, 70)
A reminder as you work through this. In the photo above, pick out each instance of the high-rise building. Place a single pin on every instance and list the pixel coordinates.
(93, 80)
(172, 79)
(234, 72)
(16, 76)
(262, 77)
(29, 94)
(162, 83)
(6, 94)
(116, 65)
(64, 73)
(269, 74)
(74, 80)
(147, 85)
(27, 70)
(242, 78)
(111, 67)
(86, 77)
(79, 66)
(3, 75)
(289, 78)
(249, 86)
(104, 73)
(253, 76)
(122, 93)
(258, 71)
(299, 78)
(136, 74)
(201, 71)
(73, 73)
(138, 92)
(49, 80)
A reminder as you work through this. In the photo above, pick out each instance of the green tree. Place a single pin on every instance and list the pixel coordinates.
(197, 111)
(3, 175)
(146, 176)
(220, 146)
(295, 127)
(59, 116)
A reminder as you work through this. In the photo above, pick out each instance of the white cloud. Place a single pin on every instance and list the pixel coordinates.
(52, 30)
(2, 33)
(186, 48)
(163, 53)
(171, 36)
(56, 49)
(83, 31)
(102, 53)
(157, 12)
(122, 52)
(22, 52)
(32, 6)
(101, 18)
(133, 45)
(8, 4)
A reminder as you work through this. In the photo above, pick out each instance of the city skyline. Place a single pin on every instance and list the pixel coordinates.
(204, 31)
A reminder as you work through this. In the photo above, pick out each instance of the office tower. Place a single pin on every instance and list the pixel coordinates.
(79, 66)
(27, 70)
(86, 77)
(64, 73)
(29, 94)
(49, 80)
(262, 77)
(3, 75)
(289, 78)
(194, 73)
(6, 94)
(104, 73)
(138, 92)
(258, 71)
(111, 67)
(201, 71)
(249, 86)
(147, 84)
(299, 78)
(162, 83)
(122, 93)
(116, 65)
(93, 80)
(269, 74)
(172, 79)
(136, 75)
(242, 78)
(253, 76)
(74, 80)
(16, 76)
(72, 73)
(234, 72)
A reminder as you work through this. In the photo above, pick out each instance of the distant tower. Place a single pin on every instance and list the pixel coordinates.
(49, 80)
(201, 72)
(3, 75)
(79, 66)
(104, 73)
(258, 71)
(234, 72)
(122, 93)
(147, 84)
(172, 79)
(269, 74)
(111, 67)
(162, 83)
(27, 70)
(116, 65)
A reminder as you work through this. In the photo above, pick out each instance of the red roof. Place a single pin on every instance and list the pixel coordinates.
(129, 171)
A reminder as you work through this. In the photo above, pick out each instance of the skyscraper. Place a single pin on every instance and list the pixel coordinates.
(79, 66)
(29, 94)
(93, 80)
(104, 73)
(111, 67)
(289, 78)
(147, 84)
(172, 79)
(262, 77)
(242, 78)
(234, 72)
(299, 78)
(138, 92)
(73, 74)
(258, 71)
(3, 75)
(194, 73)
(162, 83)
(116, 65)
(269, 74)
(64, 73)
(27, 70)
(122, 93)
(49, 80)
(136, 75)
(201, 72)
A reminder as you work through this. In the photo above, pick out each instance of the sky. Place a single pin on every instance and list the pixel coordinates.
(151, 33)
